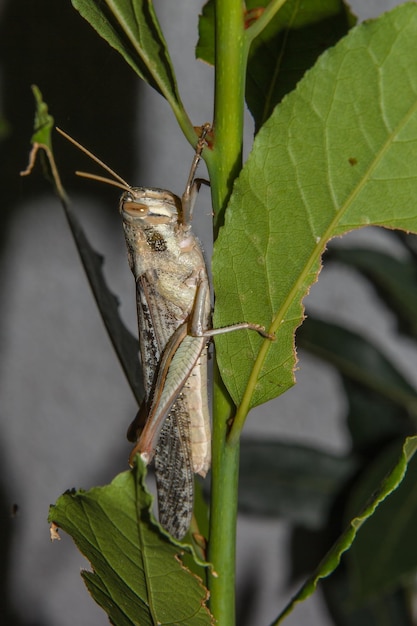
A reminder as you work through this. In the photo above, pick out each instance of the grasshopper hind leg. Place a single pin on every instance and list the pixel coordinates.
(174, 473)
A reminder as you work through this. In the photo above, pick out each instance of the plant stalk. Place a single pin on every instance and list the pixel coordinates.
(224, 166)
(223, 512)
(231, 55)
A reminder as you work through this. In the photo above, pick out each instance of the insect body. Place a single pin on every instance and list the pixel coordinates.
(168, 265)
(173, 307)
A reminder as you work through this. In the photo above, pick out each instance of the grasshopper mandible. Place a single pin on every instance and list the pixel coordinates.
(172, 426)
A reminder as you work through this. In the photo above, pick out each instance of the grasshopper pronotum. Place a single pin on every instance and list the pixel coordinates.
(173, 306)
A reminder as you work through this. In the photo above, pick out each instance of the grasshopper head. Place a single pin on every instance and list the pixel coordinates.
(150, 206)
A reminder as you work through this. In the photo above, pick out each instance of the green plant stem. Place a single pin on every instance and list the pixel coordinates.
(184, 122)
(231, 56)
(224, 165)
(223, 512)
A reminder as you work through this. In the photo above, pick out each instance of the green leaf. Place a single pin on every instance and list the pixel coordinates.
(132, 28)
(394, 279)
(337, 154)
(205, 45)
(359, 360)
(138, 576)
(332, 558)
(288, 47)
(390, 608)
(382, 403)
(44, 122)
(385, 552)
(285, 49)
(373, 419)
(290, 481)
(42, 144)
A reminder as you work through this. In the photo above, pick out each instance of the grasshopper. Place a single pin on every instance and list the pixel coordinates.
(172, 426)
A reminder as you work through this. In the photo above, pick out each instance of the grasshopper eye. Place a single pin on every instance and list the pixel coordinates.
(135, 208)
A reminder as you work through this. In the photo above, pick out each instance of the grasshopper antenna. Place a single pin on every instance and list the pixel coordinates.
(119, 182)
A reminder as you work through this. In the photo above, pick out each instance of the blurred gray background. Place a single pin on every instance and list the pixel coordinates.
(65, 404)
